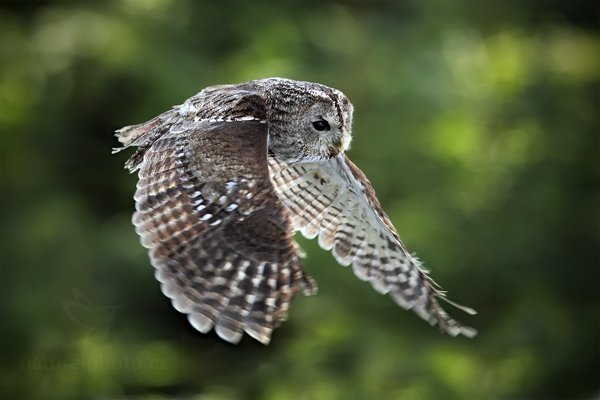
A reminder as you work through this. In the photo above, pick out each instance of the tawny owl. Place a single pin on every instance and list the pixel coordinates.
(226, 178)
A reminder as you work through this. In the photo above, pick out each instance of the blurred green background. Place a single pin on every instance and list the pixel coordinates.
(476, 121)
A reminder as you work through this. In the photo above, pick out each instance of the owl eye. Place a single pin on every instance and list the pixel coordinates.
(321, 125)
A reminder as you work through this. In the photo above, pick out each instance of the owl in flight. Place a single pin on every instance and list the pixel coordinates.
(228, 177)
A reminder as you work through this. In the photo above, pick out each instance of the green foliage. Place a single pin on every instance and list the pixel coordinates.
(477, 123)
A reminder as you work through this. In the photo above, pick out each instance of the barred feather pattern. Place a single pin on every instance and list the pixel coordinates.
(217, 234)
(334, 201)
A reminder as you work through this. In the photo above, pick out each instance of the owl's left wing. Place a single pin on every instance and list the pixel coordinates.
(335, 201)
(216, 232)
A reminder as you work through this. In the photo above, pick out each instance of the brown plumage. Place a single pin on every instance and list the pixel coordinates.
(225, 180)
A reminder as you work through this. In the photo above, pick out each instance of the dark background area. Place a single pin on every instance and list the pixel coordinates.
(476, 121)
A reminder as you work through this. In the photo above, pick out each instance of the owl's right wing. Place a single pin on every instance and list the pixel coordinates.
(217, 234)
(334, 200)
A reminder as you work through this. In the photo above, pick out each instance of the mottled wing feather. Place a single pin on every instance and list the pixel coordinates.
(335, 201)
(217, 234)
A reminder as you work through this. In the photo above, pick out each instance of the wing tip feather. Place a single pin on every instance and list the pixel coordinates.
(200, 322)
(229, 335)
(259, 333)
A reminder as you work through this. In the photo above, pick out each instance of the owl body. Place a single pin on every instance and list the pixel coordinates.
(228, 177)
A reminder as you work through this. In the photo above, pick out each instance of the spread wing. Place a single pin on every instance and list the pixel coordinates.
(217, 234)
(335, 201)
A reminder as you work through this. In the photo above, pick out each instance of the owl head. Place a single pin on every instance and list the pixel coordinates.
(307, 121)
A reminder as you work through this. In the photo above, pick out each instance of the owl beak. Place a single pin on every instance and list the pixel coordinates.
(345, 142)
(339, 145)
